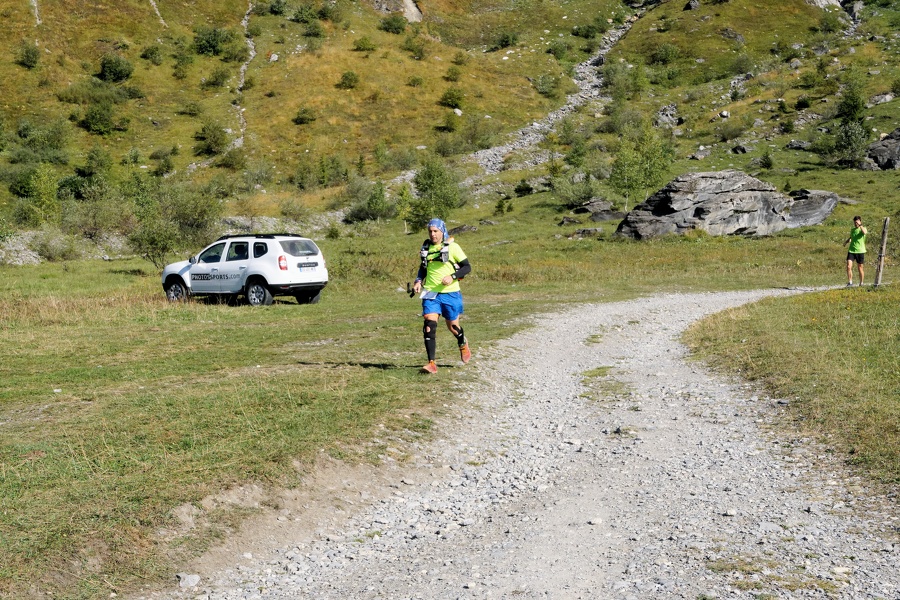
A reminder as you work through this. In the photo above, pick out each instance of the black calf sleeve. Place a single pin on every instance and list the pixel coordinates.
(429, 330)
(458, 332)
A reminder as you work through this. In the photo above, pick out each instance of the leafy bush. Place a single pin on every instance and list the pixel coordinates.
(332, 11)
(461, 58)
(453, 73)
(438, 192)
(559, 48)
(93, 91)
(375, 206)
(506, 39)
(314, 29)
(766, 161)
(211, 139)
(547, 85)
(114, 68)
(415, 46)
(452, 98)
(305, 13)
(415, 81)
(364, 44)
(278, 7)
(729, 130)
(234, 160)
(349, 80)
(802, 102)
(211, 41)
(28, 55)
(665, 53)
(238, 52)
(217, 79)
(304, 116)
(51, 245)
(98, 119)
(523, 188)
(394, 23)
(153, 53)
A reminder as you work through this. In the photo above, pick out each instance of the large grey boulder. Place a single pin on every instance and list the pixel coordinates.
(886, 153)
(724, 203)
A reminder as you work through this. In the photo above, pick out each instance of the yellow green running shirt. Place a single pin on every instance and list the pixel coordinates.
(437, 270)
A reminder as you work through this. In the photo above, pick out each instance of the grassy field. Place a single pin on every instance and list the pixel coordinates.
(117, 407)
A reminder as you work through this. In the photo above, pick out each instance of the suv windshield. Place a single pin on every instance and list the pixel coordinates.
(299, 247)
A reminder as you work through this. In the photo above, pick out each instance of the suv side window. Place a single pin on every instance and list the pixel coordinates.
(237, 251)
(259, 249)
(213, 254)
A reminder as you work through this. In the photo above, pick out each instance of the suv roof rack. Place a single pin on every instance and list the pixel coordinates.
(266, 236)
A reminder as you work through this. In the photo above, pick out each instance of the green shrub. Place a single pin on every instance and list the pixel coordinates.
(730, 129)
(305, 13)
(452, 98)
(439, 192)
(506, 39)
(787, 126)
(349, 80)
(93, 91)
(415, 81)
(453, 73)
(587, 32)
(665, 53)
(332, 11)
(51, 245)
(278, 7)
(292, 208)
(238, 52)
(114, 68)
(364, 44)
(153, 53)
(217, 79)
(211, 41)
(547, 85)
(211, 139)
(314, 29)
(415, 46)
(234, 160)
(523, 188)
(394, 23)
(28, 55)
(375, 206)
(98, 119)
(304, 116)
(559, 49)
(766, 161)
(802, 102)
(461, 58)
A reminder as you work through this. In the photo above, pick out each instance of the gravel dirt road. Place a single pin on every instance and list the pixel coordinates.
(651, 478)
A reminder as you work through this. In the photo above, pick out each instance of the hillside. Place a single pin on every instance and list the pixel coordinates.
(273, 108)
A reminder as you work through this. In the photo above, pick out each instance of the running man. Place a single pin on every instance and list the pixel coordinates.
(443, 264)
(857, 250)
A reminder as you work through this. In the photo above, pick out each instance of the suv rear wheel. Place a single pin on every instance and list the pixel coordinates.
(258, 294)
(308, 297)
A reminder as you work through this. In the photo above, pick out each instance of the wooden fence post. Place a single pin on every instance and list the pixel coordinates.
(880, 266)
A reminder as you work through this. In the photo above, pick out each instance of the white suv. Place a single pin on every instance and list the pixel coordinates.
(259, 266)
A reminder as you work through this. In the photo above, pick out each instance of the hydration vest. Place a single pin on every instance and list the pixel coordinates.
(442, 256)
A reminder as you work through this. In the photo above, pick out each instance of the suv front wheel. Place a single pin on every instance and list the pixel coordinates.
(175, 291)
(258, 294)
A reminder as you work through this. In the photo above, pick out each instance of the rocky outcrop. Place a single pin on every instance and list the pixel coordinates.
(724, 203)
(886, 152)
(600, 210)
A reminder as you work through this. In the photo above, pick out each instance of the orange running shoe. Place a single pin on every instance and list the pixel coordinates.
(464, 353)
(430, 368)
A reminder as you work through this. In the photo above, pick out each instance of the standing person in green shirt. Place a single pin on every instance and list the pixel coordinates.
(857, 250)
(443, 264)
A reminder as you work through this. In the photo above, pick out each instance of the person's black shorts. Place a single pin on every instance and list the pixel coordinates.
(858, 258)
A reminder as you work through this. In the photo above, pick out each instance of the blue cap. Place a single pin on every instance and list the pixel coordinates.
(440, 225)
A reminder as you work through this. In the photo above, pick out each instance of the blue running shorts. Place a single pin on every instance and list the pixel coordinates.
(449, 305)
